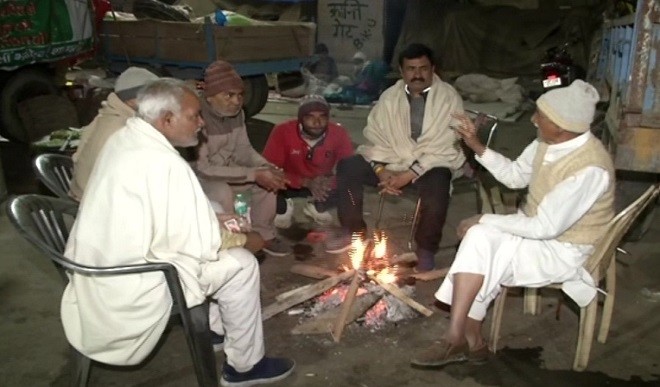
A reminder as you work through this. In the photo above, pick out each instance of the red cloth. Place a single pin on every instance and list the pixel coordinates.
(286, 149)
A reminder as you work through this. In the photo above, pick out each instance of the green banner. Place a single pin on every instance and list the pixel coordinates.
(43, 30)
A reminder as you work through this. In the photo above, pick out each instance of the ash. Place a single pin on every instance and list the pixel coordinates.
(387, 309)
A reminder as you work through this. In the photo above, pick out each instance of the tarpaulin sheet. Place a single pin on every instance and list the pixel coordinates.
(498, 41)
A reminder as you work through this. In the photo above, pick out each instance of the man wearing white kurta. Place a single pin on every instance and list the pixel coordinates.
(410, 143)
(570, 180)
(143, 203)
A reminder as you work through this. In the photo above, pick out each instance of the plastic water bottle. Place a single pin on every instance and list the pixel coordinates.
(242, 209)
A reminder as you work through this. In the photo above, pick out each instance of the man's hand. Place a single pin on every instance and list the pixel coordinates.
(319, 187)
(468, 133)
(465, 225)
(396, 181)
(270, 179)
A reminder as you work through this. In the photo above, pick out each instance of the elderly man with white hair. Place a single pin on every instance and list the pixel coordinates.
(570, 200)
(143, 203)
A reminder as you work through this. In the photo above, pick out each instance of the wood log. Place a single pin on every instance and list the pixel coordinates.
(302, 294)
(324, 322)
(403, 258)
(346, 307)
(430, 275)
(398, 293)
(309, 268)
(312, 271)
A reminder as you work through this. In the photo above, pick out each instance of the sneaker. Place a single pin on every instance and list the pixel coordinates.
(277, 248)
(286, 219)
(337, 243)
(322, 218)
(218, 341)
(267, 370)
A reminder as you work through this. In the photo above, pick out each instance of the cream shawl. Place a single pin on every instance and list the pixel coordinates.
(388, 130)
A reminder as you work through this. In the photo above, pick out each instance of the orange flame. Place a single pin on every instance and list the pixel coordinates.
(386, 276)
(380, 249)
(358, 248)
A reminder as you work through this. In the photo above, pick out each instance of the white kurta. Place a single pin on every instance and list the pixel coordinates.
(143, 203)
(518, 250)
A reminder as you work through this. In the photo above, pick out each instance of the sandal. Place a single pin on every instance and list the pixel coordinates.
(440, 354)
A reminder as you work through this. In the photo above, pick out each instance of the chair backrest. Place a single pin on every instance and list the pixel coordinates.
(42, 220)
(485, 125)
(617, 228)
(56, 172)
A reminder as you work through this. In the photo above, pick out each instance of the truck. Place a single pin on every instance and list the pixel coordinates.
(627, 72)
(41, 38)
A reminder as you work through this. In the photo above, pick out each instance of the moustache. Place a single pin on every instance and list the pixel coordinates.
(417, 79)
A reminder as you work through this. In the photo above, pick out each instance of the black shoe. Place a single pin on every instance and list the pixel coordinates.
(218, 341)
(267, 370)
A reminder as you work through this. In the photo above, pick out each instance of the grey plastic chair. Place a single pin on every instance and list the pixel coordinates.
(42, 221)
(55, 171)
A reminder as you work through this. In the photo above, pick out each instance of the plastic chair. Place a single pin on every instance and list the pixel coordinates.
(42, 220)
(600, 265)
(55, 171)
(486, 125)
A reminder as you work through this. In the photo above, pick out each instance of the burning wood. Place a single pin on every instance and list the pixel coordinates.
(302, 294)
(358, 250)
(386, 283)
(373, 281)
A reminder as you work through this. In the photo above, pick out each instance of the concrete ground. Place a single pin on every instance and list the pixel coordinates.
(537, 350)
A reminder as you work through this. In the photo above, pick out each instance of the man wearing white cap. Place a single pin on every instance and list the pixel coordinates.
(570, 181)
(112, 116)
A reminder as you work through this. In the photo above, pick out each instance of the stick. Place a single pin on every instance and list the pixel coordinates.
(398, 293)
(312, 271)
(403, 258)
(303, 293)
(430, 275)
(346, 307)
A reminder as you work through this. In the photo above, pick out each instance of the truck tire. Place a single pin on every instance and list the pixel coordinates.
(256, 94)
(22, 86)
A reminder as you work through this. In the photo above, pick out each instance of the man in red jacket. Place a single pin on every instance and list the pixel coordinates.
(308, 149)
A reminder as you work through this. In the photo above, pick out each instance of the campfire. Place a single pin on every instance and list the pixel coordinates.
(373, 292)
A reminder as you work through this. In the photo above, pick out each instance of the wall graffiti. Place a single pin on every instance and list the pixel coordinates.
(347, 26)
(348, 22)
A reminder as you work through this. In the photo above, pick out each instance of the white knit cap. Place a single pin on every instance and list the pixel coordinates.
(131, 80)
(361, 56)
(572, 108)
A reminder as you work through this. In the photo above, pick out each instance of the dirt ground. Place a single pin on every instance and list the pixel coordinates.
(537, 350)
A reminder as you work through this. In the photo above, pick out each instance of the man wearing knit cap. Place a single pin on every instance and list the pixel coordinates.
(112, 116)
(228, 164)
(570, 181)
(307, 149)
(115, 110)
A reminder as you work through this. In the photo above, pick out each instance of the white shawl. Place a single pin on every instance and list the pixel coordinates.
(388, 130)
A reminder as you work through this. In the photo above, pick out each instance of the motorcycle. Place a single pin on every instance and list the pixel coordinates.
(558, 68)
